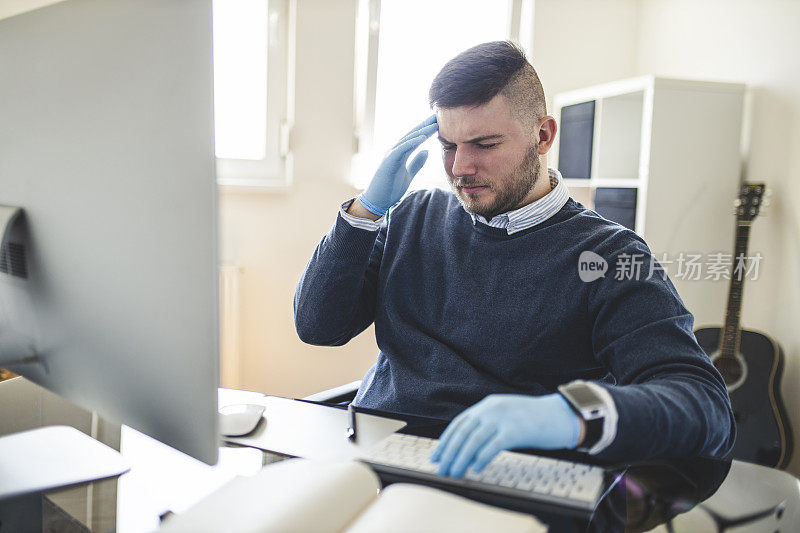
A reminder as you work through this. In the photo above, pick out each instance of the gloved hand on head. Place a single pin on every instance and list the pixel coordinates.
(393, 176)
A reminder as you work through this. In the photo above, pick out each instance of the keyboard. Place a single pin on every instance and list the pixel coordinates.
(531, 478)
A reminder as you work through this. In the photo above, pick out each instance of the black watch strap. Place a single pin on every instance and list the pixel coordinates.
(594, 431)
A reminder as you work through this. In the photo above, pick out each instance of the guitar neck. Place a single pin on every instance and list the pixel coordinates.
(729, 343)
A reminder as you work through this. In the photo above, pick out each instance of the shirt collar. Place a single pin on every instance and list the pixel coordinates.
(534, 213)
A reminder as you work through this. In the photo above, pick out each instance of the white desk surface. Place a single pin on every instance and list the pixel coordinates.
(162, 478)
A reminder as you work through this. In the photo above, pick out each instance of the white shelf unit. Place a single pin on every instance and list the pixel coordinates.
(667, 138)
(677, 142)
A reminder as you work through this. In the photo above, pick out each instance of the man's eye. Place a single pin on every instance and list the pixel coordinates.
(487, 146)
(447, 147)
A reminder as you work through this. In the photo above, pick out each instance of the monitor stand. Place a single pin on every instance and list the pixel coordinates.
(52, 457)
(48, 458)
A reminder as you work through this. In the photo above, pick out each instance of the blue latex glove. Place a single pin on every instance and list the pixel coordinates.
(502, 422)
(393, 176)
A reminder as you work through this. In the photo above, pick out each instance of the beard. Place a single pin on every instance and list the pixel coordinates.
(510, 190)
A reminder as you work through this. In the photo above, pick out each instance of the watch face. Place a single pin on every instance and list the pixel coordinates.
(585, 400)
(584, 396)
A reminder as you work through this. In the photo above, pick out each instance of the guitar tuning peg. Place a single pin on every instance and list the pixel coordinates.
(737, 202)
(766, 203)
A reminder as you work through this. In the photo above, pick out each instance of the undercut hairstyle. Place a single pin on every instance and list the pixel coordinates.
(478, 74)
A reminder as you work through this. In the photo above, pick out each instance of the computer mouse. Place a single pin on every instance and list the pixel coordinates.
(239, 419)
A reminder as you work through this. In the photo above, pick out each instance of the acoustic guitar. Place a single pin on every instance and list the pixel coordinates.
(750, 362)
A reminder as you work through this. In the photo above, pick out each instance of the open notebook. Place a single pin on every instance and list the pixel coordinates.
(302, 495)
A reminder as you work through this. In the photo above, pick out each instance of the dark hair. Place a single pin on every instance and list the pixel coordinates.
(480, 73)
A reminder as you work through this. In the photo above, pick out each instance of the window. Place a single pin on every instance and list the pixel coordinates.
(251, 115)
(402, 46)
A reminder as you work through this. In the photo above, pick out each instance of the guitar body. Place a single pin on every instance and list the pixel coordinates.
(763, 433)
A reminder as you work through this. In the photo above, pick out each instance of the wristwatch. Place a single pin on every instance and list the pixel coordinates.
(588, 405)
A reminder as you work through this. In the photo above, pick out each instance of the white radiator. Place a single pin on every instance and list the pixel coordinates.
(230, 352)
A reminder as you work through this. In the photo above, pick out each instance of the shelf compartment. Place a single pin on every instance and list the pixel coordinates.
(619, 134)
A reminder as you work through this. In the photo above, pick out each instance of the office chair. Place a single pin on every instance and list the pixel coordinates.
(341, 395)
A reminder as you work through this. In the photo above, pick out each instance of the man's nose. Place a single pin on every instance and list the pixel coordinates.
(463, 163)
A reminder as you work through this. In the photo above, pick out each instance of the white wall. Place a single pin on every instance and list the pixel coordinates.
(9, 8)
(272, 235)
(577, 43)
(755, 43)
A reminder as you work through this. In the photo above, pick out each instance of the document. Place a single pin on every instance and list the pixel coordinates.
(339, 497)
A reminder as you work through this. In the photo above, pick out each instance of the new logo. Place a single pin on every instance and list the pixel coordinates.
(591, 266)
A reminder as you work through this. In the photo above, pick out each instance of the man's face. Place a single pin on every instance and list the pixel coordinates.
(491, 161)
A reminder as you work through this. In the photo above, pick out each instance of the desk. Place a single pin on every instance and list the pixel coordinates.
(163, 479)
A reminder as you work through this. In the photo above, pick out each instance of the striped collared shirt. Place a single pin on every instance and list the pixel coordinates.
(534, 213)
(513, 221)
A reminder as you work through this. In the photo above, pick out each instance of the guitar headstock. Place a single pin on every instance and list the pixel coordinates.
(749, 202)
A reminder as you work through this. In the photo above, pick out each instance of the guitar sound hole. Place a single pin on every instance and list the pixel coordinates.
(730, 369)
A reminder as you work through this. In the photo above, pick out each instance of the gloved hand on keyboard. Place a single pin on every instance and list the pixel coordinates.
(393, 176)
(502, 422)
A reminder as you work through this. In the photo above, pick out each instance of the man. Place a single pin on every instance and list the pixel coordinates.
(478, 302)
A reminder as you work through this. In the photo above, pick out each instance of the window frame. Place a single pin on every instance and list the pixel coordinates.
(519, 31)
(274, 171)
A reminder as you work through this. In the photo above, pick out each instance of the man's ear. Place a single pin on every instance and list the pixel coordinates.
(547, 133)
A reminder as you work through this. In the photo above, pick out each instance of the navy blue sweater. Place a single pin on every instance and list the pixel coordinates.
(464, 310)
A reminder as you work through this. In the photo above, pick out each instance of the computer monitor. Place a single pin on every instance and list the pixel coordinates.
(107, 146)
